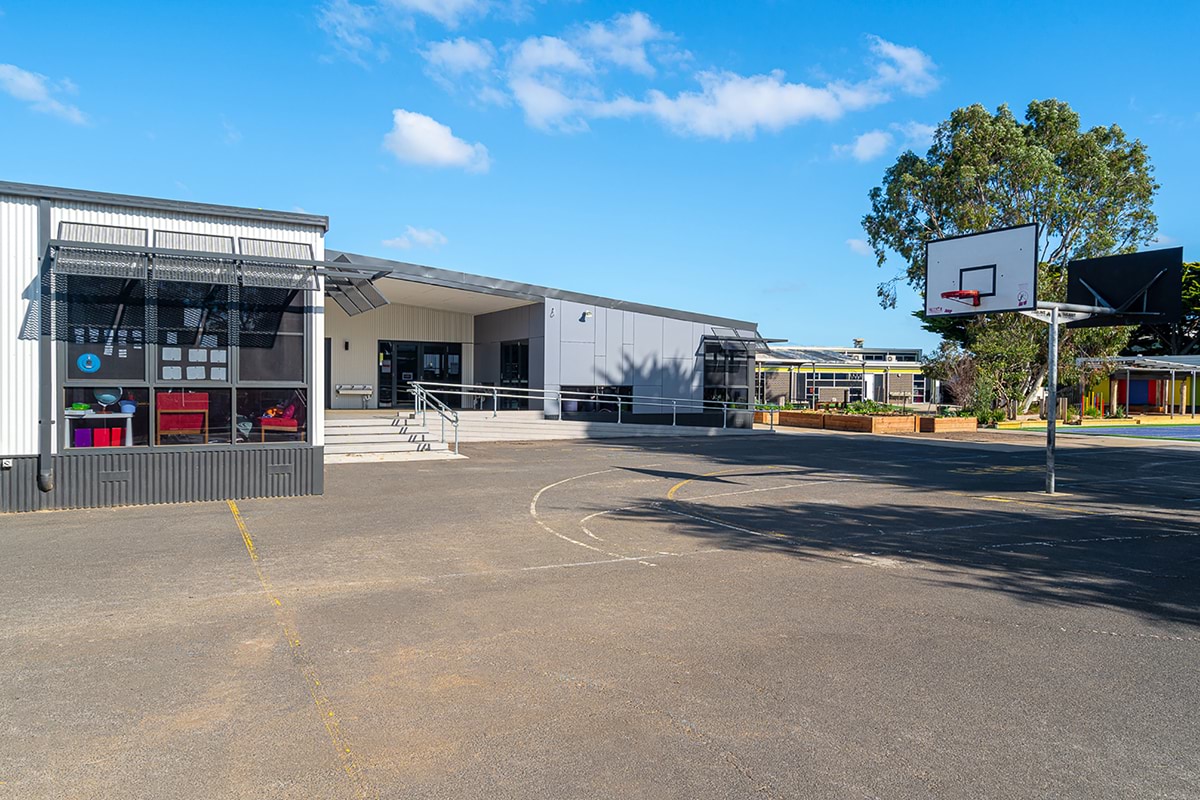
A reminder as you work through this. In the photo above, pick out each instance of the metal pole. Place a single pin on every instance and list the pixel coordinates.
(1171, 396)
(495, 402)
(812, 387)
(1052, 399)
(674, 411)
(724, 414)
(1193, 388)
(619, 404)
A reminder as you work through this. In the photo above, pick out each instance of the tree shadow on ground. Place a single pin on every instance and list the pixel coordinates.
(1125, 538)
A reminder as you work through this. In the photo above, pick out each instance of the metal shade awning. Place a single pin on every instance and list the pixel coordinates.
(732, 340)
(353, 290)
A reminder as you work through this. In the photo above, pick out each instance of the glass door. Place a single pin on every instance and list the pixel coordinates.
(514, 371)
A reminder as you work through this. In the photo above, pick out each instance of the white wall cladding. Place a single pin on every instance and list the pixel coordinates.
(18, 326)
(360, 364)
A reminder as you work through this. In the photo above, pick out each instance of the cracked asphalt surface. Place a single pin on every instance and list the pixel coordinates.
(810, 615)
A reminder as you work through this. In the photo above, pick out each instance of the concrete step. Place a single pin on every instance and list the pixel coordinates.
(375, 458)
(385, 447)
(373, 438)
(366, 422)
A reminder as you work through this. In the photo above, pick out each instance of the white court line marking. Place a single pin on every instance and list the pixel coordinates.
(1167, 535)
(569, 565)
(602, 513)
(797, 485)
(716, 522)
(534, 513)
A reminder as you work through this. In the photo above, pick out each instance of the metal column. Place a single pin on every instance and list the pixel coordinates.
(1052, 399)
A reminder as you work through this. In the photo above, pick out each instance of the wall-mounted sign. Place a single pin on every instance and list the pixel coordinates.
(88, 362)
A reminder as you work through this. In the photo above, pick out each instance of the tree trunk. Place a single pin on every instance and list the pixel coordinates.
(1037, 384)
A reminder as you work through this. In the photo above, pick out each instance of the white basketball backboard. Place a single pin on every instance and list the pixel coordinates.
(982, 273)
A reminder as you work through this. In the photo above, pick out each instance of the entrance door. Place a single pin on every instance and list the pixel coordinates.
(514, 371)
(401, 363)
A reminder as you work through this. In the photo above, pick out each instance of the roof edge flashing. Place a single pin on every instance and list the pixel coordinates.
(160, 204)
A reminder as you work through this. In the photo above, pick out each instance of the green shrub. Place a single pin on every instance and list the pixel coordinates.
(867, 407)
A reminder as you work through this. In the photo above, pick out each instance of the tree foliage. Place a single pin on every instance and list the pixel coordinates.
(1090, 192)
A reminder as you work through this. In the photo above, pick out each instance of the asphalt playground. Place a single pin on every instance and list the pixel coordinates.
(798, 615)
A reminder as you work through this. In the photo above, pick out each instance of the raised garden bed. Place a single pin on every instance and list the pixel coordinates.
(857, 423)
(801, 419)
(947, 424)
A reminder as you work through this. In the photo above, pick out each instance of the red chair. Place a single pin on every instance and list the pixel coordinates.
(180, 414)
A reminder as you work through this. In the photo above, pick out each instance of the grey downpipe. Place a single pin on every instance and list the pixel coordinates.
(45, 474)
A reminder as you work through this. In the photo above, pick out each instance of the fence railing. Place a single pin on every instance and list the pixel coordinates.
(426, 395)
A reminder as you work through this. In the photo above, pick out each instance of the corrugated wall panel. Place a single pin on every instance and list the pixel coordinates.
(19, 289)
(113, 478)
(360, 364)
(96, 214)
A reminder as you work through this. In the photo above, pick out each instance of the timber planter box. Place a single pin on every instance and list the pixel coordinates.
(862, 423)
(766, 417)
(801, 419)
(948, 424)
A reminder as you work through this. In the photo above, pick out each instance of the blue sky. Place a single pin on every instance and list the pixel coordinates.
(701, 155)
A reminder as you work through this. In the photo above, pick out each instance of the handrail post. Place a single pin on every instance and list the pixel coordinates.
(620, 404)
(495, 401)
(724, 415)
(674, 411)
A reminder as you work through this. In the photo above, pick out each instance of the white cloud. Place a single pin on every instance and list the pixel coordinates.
(859, 247)
(558, 84)
(906, 67)
(448, 12)
(547, 53)
(417, 237)
(418, 139)
(38, 91)
(867, 147)
(349, 26)
(622, 40)
(455, 57)
(916, 134)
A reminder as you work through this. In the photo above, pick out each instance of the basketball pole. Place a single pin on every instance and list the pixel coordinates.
(1052, 398)
(1051, 314)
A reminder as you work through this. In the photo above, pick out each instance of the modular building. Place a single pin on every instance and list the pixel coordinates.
(810, 376)
(162, 351)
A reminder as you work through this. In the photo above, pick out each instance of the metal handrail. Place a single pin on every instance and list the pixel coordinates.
(422, 399)
(516, 392)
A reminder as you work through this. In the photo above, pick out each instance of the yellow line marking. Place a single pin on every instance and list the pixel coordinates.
(324, 707)
(671, 492)
(1062, 506)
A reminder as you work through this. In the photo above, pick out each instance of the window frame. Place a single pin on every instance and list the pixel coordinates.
(151, 381)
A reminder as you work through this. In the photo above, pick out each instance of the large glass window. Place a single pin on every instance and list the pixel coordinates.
(193, 416)
(271, 334)
(206, 336)
(726, 373)
(105, 327)
(272, 415)
(106, 416)
(193, 332)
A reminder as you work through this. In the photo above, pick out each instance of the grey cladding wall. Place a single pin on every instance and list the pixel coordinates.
(597, 346)
(514, 324)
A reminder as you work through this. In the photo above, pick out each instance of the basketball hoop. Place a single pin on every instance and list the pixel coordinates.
(968, 296)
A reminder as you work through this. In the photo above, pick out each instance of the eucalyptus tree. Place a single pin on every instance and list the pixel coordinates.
(1090, 192)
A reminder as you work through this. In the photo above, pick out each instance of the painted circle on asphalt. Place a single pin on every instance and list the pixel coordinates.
(88, 362)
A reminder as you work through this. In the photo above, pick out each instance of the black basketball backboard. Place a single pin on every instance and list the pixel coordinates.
(1143, 287)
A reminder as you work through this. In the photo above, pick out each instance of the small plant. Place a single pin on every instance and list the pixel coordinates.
(1118, 412)
(867, 407)
(1092, 412)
